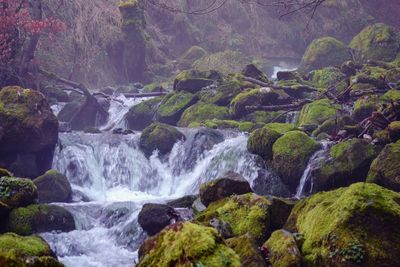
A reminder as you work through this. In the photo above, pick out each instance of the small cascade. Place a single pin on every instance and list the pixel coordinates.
(292, 117)
(306, 182)
(56, 108)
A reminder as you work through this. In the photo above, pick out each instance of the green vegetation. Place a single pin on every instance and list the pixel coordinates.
(283, 249)
(317, 112)
(173, 105)
(260, 142)
(201, 112)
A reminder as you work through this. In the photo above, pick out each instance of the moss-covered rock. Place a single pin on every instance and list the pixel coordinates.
(291, 153)
(243, 126)
(154, 217)
(260, 142)
(187, 244)
(173, 105)
(258, 96)
(385, 169)
(201, 112)
(17, 192)
(38, 219)
(143, 114)
(248, 251)
(394, 130)
(229, 184)
(192, 81)
(352, 226)
(190, 56)
(225, 62)
(324, 52)
(30, 251)
(53, 187)
(332, 126)
(317, 112)
(253, 72)
(328, 78)
(364, 107)
(265, 117)
(159, 136)
(244, 213)
(283, 250)
(377, 42)
(349, 163)
(281, 128)
(30, 131)
(391, 95)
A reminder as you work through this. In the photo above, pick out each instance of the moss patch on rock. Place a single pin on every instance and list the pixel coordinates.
(364, 107)
(260, 142)
(53, 187)
(142, 115)
(317, 112)
(173, 105)
(328, 78)
(17, 192)
(187, 244)
(283, 250)
(201, 112)
(248, 251)
(355, 225)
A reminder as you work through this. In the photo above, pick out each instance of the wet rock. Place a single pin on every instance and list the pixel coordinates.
(189, 243)
(248, 251)
(142, 115)
(53, 187)
(286, 75)
(260, 142)
(191, 81)
(39, 219)
(253, 72)
(183, 202)
(173, 105)
(223, 228)
(229, 184)
(385, 169)
(269, 183)
(159, 137)
(155, 217)
(30, 132)
(17, 192)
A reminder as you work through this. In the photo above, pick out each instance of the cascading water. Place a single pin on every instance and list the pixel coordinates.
(292, 117)
(306, 182)
(112, 179)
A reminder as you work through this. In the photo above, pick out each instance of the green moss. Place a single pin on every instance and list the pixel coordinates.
(53, 187)
(17, 192)
(376, 42)
(38, 218)
(364, 107)
(391, 95)
(385, 169)
(333, 223)
(187, 244)
(243, 126)
(30, 245)
(159, 136)
(225, 62)
(173, 105)
(281, 128)
(142, 115)
(248, 251)
(317, 112)
(334, 125)
(328, 78)
(201, 112)
(291, 153)
(283, 250)
(260, 142)
(324, 52)
(265, 116)
(245, 213)
(190, 56)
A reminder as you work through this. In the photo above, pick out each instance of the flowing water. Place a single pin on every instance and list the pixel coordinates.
(112, 179)
(306, 182)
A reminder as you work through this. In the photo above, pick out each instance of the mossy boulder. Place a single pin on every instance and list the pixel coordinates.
(154, 217)
(143, 114)
(225, 62)
(351, 226)
(364, 106)
(258, 96)
(291, 153)
(315, 113)
(332, 126)
(248, 251)
(187, 244)
(30, 251)
(253, 72)
(17, 192)
(244, 213)
(173, 105)
(385, 169)
(30, 131)
(281, 128)
(38, 219)
(348, 163)
(394, 130)
(190, 56)
(328, 78)
(324, 52)
(391, 95)
(260, 142)
(229, 184)
(159, 136)
(283, 250)
(53, 187)
(377, 42)
(243, 126)
(192, 81)
(201, 112)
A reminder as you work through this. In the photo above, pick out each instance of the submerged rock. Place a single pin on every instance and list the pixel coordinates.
(351, 226)
(186, 244)
(385, 169)
(53, 187)
(155, 217)
(30, 132)
(229, 184)
(159, 136)
(38, 219)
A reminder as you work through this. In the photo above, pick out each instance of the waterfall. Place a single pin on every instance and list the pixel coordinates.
(292, 117)
(306, 182)
(111, 180)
